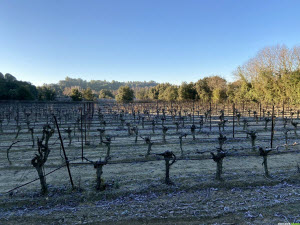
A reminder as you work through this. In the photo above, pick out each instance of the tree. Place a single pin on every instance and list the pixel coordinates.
(290, 87)
(219, 95)
(203, 90)
(88, 95)
(105, 93)
(142, 94)
(13, 94)
(170, 93)
(232, 90)
(125, 94)
(10, 78)
(24, 93)
(11, 88)
(214, 82)
(187, 91)
(46, 93)
(153, 93)
(76, 95)
(267, 77)
(161, 88)
(98, 85)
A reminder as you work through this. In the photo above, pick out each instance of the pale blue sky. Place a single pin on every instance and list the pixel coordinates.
(161, 40)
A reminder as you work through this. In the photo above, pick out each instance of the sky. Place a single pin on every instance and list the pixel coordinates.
(127, 40)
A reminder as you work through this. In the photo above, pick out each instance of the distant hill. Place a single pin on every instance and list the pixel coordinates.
(98, 85)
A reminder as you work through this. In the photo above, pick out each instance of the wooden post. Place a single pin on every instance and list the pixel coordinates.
(260, 111)
(272, 130)
(99, 172)
(233, 111)
(81, 131)
(193, 111)
(66, 158)
(210, 116)
(84, 123)
(283, 110)
(228, 108)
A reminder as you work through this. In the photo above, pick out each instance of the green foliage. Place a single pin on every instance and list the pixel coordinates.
(153, 93)
(232, 90)
(46, 93)
(244, 89)
(2, 77)
(219, 95)
(161, 88)
(10, 78)
(76, 95)
(98, 85)
(125, 94)
(142, 94)
(203, 90)
(272, 76)
(24, 93)
(171, 93)
(187, 91)
(88, 95)
(105, 93)
(12, 89)
(289, 87)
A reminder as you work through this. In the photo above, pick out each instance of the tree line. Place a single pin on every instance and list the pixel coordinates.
(99, 87)
(272, 76)
(12, 89)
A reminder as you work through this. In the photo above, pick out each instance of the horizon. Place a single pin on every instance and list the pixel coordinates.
(169, 41)
(89, 80)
